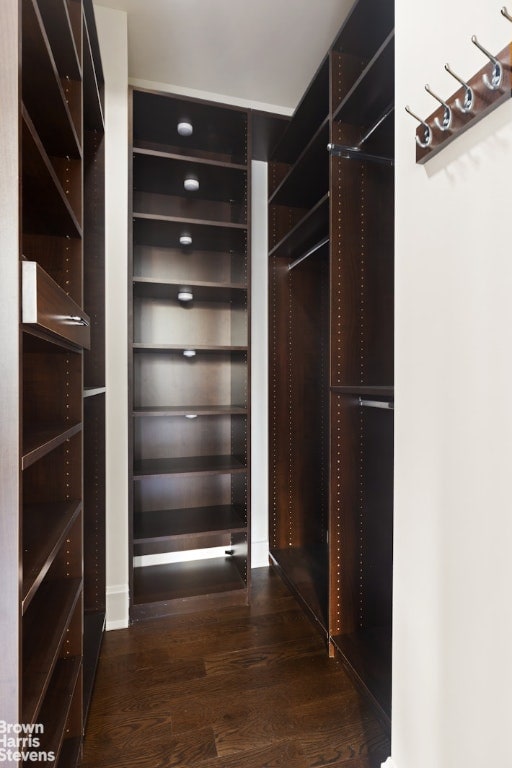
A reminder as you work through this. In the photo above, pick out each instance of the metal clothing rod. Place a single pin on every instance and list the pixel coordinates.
(379, 122)
(354, 153)
(309, 253)
(377, 404)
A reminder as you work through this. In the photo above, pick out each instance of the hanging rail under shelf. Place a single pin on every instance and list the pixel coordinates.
(355, 152)
(309, 253)
(384, 404)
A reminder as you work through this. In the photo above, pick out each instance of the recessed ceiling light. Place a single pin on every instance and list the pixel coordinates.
(189, 353)
(185, 128)
(185, 294)
(185, 240)
(191, 184)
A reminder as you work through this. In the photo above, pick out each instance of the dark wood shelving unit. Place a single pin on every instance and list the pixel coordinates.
(331, 283)
(47, 332)
(189, 372)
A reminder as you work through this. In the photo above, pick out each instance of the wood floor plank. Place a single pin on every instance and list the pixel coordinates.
(242, 687)
(157, 749)
(282, 754)
(263, 656)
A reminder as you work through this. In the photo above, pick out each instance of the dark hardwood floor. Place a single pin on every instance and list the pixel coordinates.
(241, 687)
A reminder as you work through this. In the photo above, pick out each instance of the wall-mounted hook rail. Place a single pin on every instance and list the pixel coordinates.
(476, 98)
(309, 253)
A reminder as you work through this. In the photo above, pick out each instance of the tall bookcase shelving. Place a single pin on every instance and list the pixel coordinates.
(46, 333)
(331, 348)
(189, 372)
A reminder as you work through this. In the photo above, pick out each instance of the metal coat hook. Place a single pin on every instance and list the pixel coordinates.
(446, 122)
(497, 70)
(466, 105)
(427, 135)
(505, 13)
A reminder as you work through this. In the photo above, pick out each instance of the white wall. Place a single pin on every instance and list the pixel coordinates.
(453, 524)
(259, 367)
(113, 37)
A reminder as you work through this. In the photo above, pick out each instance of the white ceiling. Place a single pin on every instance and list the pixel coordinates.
(262, 52)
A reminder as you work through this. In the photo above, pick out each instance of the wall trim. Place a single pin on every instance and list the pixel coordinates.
(117, 607)
(259, 554)
(210, 96)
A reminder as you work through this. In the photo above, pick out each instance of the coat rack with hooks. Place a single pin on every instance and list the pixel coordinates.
(476, 98)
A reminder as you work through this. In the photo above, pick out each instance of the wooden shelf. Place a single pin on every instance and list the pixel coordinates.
(373, 92)
(58, 28)
(308, 179)
(93, 103)
(189, 465)
(202, 348)
(177, 581)
(208, 236)
(175, 523)
(168, 289)
(188, 221)
(359, 38)
(94, 391)
(43, 94)
(307, 233)
(367, 653)
(56, 709)
(44, 630)
(45, 529)
(46, 207)
(378, 391)
(45, 439)
(185, 410)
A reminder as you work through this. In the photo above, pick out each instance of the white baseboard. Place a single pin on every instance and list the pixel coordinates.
(259, 554)
(117, 607)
